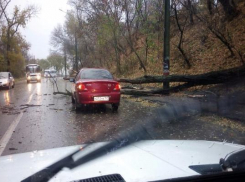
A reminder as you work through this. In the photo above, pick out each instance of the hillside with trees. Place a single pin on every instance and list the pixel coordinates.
(126, 36)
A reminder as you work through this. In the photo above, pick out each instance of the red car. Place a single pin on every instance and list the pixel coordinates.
(95, 86)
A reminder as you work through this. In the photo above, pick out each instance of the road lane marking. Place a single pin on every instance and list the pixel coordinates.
(30, 98)
(6, 137)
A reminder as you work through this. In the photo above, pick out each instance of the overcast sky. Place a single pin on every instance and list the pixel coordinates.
(39, 28)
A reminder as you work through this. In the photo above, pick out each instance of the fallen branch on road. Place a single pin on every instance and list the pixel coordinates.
(29, 105)
(68, 93)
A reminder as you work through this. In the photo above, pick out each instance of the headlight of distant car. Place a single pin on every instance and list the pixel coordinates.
(28, 77)
(38, 77)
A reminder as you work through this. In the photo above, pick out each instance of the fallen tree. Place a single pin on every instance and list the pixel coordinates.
(214, 77)
(202, 79)
(136, 91)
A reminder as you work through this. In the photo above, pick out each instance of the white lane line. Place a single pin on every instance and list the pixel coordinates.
(6, 137)
(30, 98)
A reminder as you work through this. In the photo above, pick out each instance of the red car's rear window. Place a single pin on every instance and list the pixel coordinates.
(96, 74)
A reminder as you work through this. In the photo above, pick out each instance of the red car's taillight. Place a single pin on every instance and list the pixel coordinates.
(117, 87)
(81, 87)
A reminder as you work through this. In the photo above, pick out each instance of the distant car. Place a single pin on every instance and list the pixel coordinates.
(33, 77)
(6, 80)
(46, 74)
(95, 86)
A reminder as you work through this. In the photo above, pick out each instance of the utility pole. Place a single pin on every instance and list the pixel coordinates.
(65, 59)
(166, 52)
(76, 56)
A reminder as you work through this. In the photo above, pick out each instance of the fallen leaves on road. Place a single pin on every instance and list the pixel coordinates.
(143, 102)
(224, 122)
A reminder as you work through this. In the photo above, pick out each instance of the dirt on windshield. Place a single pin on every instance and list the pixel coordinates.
(222, 116)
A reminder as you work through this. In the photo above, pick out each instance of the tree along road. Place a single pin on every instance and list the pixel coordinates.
(32, 118)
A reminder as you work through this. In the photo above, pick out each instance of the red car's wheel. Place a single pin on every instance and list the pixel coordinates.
(72, 100)
(77, 105)
(115, 107)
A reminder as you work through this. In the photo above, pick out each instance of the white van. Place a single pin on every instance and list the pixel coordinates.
(33, 73)
(53, 73)
(50, 73)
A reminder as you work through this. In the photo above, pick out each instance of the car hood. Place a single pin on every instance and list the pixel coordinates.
(3, 79)
(143, 161)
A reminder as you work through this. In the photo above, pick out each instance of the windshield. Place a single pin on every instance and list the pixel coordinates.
(33, 68)
(95, 74)
(82, 73)
(3, 75)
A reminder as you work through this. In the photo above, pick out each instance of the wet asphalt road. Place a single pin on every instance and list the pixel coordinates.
(47, 121)
(32, 118)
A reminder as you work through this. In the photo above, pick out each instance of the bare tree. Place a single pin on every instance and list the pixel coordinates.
(129, 24)
(3, 4)
(181, 29)
(217, 26)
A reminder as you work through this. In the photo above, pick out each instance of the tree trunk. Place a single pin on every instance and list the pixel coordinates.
(181, 30)
(229, 8)
(117, 53)
(190, 12)
(214, 77)
(155, 91)
(8, 49)
(146, 50)
(158, 46)
(210, 4)
(130, 41)
(223, 39)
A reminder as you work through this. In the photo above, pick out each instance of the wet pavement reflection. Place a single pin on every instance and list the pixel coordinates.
(50, 121)
(6, 98)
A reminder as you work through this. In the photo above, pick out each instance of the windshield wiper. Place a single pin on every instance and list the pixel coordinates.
(234, 161)
(123, 140)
